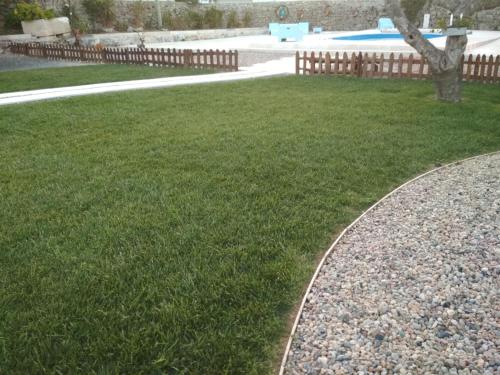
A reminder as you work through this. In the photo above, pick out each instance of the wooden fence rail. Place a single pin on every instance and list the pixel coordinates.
(483, 68)
(160, 57)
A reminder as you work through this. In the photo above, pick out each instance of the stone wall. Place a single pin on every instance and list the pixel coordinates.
(485, 14)
(330, 14)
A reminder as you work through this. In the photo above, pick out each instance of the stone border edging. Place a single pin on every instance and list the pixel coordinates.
(343, 233)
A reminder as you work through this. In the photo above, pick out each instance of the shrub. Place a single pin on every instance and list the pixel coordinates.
(174, 21)
(193, 20)
(11, 22)
(100, 11)
(232, 20)
(75, 21)
(168, 20)
(138, 9)
(121, 26)
(213, 18)
(247, 18)
(27, 12)
(464, 22)
(441, 24)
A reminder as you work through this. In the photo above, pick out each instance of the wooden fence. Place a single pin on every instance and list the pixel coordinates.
(160, 57)
(479, 68)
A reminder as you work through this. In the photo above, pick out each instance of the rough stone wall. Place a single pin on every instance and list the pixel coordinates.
(484, 13)
(488, 19)
(332, 15)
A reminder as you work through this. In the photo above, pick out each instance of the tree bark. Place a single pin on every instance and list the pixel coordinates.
(445, 65)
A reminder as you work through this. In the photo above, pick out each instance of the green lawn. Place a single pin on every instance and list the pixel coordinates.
(81, 75)
(171, 231)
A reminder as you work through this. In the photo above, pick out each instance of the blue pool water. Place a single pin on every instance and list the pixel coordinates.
(382, 36)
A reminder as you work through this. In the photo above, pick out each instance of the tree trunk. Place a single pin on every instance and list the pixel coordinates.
(446, 66)
(448, 85)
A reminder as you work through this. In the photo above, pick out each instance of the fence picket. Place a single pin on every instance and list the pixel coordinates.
(381, 69)
(328, 63)
(483, 68)
(391, 64)
(223, 60)
(373, 65)
(496, 78)
(409, 71)
(312, 64)
(336, 66)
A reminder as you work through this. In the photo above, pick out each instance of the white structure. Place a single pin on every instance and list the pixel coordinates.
(427, 21)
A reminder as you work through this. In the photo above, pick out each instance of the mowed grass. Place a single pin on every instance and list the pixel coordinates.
(46, 78)
(171, 231)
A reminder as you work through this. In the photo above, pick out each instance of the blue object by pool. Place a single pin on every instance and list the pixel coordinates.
(385, 24)
(382, 36)
(286, 31)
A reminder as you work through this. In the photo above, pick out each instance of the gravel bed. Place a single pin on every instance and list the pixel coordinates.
(251, 57)
(413, 287)
(9, 62)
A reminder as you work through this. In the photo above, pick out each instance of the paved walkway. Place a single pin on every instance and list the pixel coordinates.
(413, 287)
(278, 67)
(10, 62)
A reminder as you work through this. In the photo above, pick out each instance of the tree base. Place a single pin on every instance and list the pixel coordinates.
(448, 85)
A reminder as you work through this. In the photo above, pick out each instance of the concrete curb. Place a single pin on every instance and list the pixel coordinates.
(100, 88)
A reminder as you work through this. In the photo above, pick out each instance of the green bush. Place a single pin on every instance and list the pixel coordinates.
(190, 19)
(174, 21)
(247, 18)
(442, 24)
(168, 20)
(27, 12)
(193, 20)
(11, 22)
(100, 11)
(213, 18)
(464, 22)
(232, 21)
(121, 26)
(138, 9)
(75, 21)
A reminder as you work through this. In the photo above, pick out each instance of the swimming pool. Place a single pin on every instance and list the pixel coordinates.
(382, 36)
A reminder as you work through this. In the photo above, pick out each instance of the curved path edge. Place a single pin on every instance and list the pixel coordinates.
(343, 233)
(271, 68)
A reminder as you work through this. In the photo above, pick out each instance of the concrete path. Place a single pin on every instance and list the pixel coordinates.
(10, 62)
(279, 67)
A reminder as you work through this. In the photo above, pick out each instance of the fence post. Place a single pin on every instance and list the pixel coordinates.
(236, 63)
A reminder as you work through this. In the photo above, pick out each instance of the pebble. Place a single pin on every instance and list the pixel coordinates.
(413, 286)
